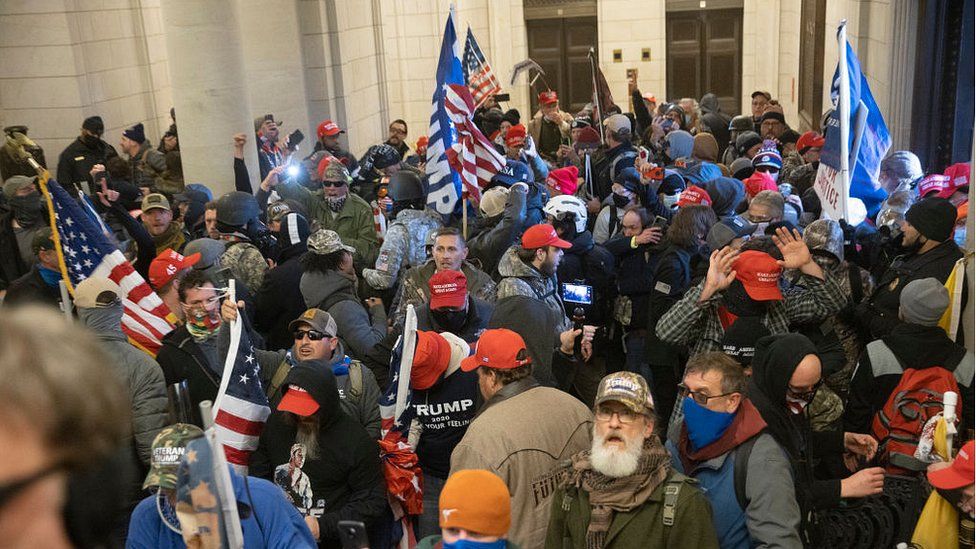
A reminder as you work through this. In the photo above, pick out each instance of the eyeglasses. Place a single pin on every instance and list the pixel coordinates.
(624, 415)
(699, 397)
(313, 335)
(805, 395)
(767, 169)
(333, 183)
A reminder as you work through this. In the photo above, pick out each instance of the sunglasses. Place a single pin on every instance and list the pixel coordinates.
(767, 169)
(313, 335)
(333, 183)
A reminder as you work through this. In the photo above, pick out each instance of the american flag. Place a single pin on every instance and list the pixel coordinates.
(241, 407)
(84, 250)
(400, 466)
(477, 72)
(472, 155)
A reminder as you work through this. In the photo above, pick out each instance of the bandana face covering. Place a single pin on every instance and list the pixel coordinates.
(335, 203)
(202, 324)
(28, 210)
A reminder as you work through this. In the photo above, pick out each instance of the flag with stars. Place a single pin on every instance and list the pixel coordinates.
(400, 466)
(241, 407)
(84, 250)
(198, 501)
(477, 72)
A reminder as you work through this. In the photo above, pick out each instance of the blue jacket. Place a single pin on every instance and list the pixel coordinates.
(280, 524)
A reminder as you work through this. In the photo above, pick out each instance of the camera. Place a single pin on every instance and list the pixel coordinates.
(578, 293)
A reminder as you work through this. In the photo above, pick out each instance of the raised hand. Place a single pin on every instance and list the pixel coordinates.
(794, 249)
(720, 273)
(650, 235)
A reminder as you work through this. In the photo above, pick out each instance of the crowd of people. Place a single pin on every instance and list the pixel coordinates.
(646, 334)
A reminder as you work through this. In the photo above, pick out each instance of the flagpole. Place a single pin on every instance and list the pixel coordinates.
(224, 489)
(844, 101)
(596, 97)
(65, 300)
(235, 341)
(464, 215)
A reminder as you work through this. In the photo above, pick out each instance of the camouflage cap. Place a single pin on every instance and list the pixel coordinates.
(741, 123)
(277, 210)
(324, 242)
(334, 170)
(167, 451)
(826, 236)
(627, 388)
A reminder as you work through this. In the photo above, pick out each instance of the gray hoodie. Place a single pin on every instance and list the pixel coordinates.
(522, 279)
(334, 292)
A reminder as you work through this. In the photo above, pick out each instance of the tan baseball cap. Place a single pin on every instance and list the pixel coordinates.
(318, 320)
(88, 291)
(155, 201)
(627, 388)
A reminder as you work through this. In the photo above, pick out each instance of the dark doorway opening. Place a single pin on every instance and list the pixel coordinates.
(705, 55)
(560, 47)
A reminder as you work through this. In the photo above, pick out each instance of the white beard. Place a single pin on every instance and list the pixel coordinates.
(615, 462)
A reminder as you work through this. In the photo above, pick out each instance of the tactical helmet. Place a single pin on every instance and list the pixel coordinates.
(237, 209)
(566, 206)
(407, 186)
(741, 123)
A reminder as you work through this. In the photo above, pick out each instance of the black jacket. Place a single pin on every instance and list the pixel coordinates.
(475, 321)
(279, 300)
(345, 480)
(914, 346)
(12, 264)
(77, 160)
(635, 274)
(879, 314)
(594, 265)
(613, 162)
(31, 288)
(499, 233)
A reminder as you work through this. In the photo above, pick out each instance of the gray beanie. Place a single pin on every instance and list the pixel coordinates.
(924, 302)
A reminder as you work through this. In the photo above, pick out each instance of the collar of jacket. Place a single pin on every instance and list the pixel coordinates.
(512, 389)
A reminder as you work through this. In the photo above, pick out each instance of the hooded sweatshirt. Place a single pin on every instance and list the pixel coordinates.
(705, 148)
(726, 193)
(335, 293)
(680, 143)
(345, 481)
(521, 278)
(279, 300)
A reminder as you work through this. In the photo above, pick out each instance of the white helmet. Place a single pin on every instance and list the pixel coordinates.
(559, 207)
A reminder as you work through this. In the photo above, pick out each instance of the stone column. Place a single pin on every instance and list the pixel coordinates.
(206, 65)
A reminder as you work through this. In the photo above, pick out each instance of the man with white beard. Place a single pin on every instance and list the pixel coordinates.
(622, 492)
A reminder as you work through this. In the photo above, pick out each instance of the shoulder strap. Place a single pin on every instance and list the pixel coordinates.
(740, 469)
(612, 225)
(278, 378)
(671, 491)
(854, 276)
(355, 379)
(883, 361)
(621, 156)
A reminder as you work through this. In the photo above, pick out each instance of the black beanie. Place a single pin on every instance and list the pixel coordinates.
(934, 218)
(94, 124)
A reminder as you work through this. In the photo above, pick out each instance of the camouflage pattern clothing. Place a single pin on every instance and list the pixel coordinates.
(245, 263)
(167, 451)
(522, 279)
(415, 290)
(796, 172)
(403, 247)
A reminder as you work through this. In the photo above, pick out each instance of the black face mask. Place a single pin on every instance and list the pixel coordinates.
(452, 321)
(90, 141)
(620, 201)
(28, 210)
(738, 302)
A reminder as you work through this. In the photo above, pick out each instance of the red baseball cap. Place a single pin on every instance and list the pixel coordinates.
(298, 401)
(960, 473)
(430, 359)
(649, 97)
(448, 289)
(547, 97)
(759, 274)
(809, 140)
(958, 178)
(328, 127)
(515, 135)
(421, 145)
(543, 234)
(934, 183)
(758, 182)
(167, 265)
(500, 348)
(694, 196)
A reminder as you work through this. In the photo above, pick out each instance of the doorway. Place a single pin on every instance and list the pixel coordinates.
(705, 55)
(560, 47)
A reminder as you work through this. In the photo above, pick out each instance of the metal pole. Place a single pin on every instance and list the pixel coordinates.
(65, 300)
(845, 116)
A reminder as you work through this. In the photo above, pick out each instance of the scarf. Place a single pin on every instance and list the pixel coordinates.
(171, 238)
(747, 424)
(609, 494)
(335, 203)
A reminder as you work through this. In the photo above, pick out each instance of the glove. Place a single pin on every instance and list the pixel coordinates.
(530, 147)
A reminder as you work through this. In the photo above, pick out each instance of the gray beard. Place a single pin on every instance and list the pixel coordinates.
(614, 462)
(308, 436)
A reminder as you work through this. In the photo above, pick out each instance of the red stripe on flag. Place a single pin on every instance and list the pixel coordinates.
(145, 324)
(239, 424)
(237, 457)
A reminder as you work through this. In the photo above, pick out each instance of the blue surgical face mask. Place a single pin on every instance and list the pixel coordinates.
(960, 236)
(704, 426)
(472, 544)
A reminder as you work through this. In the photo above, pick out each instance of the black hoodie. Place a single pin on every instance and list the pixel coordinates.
(345, 480)
(776, 358)
(279, 300)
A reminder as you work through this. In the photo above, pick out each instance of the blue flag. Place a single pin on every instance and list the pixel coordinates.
(444, 190)
(868, 132)
(197, 499)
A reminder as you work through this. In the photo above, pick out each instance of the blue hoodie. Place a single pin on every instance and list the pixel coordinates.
(280, 524)
(680, 144)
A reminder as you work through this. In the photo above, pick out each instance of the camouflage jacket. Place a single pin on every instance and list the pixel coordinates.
(414, 290)
(403, 247)
(521, 279)
(245, 263)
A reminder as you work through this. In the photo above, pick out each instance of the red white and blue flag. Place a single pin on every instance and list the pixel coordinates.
(241, 407)
(84, 250)
(477, 72)
(472, 155)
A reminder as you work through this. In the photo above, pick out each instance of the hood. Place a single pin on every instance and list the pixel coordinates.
(705, 147)
(709, 103)
(316, 377)
(105, 322)
(292, 236)
(726, 193)
(535, 322)
(582, 243)
(681, 143)
(316, 286)
(511, 265)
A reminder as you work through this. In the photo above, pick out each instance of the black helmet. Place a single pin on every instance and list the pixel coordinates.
(408, 185)
(237, 208)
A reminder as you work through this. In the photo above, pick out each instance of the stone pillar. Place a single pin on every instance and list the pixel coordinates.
(901, 39)
(206, 65)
